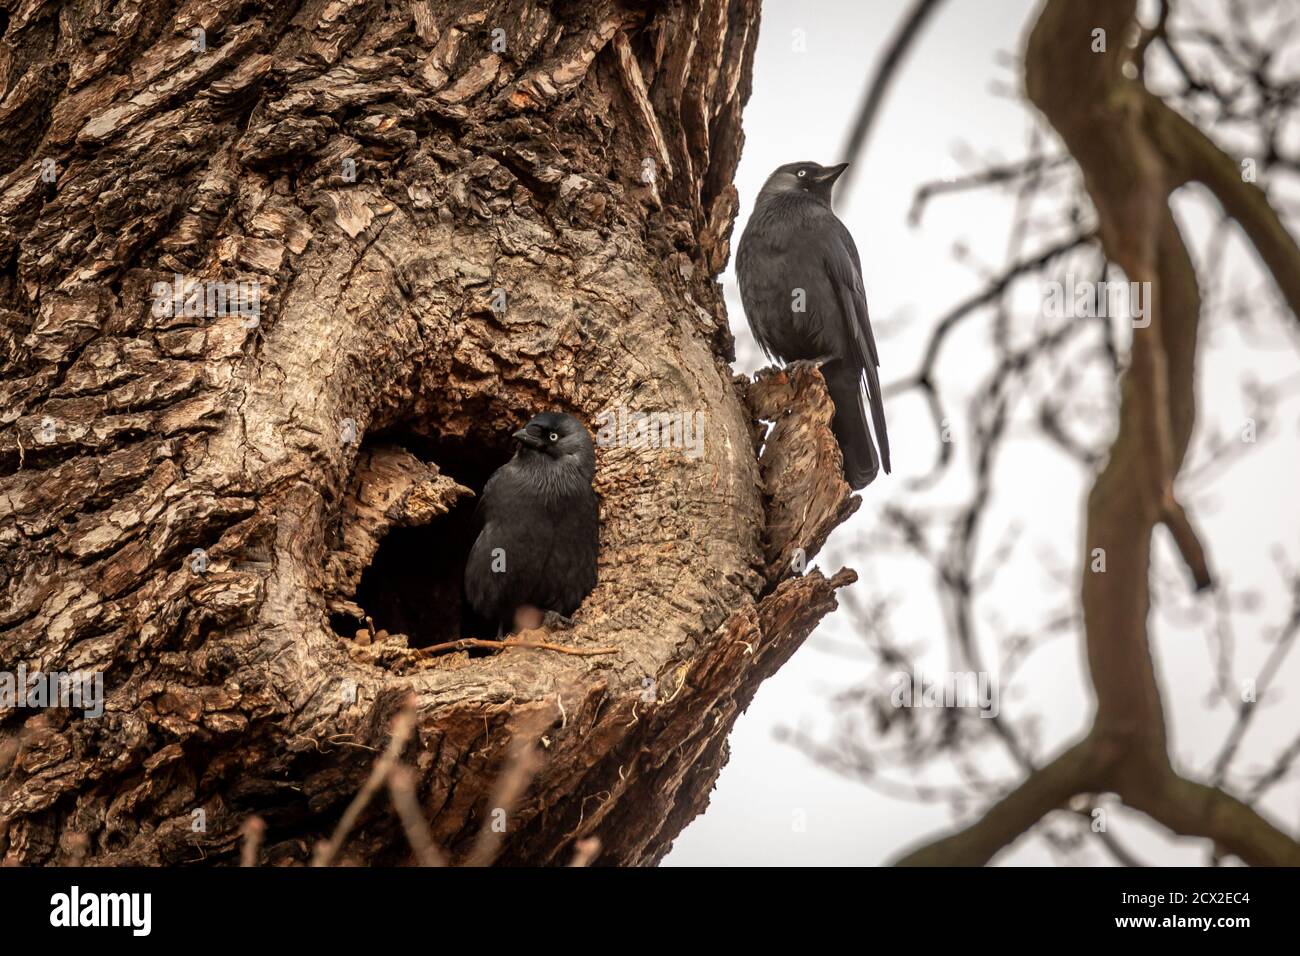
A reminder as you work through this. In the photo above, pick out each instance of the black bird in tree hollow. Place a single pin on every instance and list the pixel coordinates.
(536, 550)
(801, 284)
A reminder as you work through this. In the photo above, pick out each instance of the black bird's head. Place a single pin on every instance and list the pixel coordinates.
(811, 179)
(558, 437)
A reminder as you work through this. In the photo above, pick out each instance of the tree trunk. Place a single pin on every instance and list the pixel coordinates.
(454, 214)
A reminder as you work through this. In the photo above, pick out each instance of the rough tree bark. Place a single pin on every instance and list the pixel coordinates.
(496, 146)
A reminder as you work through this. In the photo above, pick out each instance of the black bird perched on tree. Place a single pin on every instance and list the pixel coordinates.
(536, 551)
(801, 284)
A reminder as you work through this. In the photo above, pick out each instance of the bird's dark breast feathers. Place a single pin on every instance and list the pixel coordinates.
(548, 545)
(780, 269)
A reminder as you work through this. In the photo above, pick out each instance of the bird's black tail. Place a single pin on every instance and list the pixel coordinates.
(861, 463)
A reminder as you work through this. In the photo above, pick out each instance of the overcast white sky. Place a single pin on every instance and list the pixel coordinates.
(955, 93)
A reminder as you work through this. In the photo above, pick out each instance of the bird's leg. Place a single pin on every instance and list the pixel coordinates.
(527, 618)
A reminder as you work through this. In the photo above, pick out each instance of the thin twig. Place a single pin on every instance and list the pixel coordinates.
(989, 176)
(584, 851)
(252, 829)
(522, 763)
(401, 788)
(403, 725)
(465, 643)
(894, 53)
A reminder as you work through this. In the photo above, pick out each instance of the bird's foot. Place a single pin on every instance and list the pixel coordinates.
(555, 621)
(802, 364)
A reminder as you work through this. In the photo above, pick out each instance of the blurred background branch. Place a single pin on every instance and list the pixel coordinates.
(1098, 194)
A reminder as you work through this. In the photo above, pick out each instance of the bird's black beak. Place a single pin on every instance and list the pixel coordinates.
(525, 437)
(829, 174)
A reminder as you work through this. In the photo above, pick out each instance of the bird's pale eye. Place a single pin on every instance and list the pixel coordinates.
(803, 173)
(554, 437)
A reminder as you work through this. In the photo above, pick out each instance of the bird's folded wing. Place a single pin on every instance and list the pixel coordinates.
(753, 313)
(845, 271)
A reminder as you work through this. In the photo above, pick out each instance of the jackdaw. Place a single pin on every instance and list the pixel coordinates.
(801, 284)
(536, 551)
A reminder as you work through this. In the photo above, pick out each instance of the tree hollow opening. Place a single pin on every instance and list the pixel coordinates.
(413, 583)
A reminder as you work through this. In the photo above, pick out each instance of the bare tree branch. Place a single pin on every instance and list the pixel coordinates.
(895, 51)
